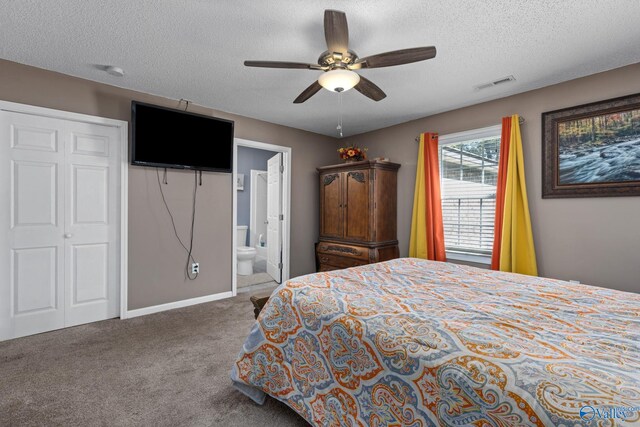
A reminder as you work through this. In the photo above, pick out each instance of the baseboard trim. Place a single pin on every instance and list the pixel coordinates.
(128, 314)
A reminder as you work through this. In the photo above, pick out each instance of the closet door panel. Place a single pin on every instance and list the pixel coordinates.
(31, 224)
(59, 222)
(91, 217)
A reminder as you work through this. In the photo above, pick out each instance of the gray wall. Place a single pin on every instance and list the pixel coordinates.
(594, 240)
(156, 260)
(249, 158)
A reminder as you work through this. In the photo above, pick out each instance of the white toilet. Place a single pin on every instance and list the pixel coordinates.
(245, 254)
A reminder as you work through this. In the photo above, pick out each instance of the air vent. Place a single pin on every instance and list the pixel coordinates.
(495, 83)
(484, 86)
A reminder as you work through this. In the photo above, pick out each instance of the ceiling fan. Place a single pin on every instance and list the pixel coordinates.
(339, 62)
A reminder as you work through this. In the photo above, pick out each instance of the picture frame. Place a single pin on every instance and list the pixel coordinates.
(592, 150)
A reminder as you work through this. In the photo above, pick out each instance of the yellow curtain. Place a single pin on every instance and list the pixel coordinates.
(418, 240)
(517, 251)
(427, 230)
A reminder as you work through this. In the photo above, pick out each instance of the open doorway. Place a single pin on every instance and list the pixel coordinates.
(261, 223)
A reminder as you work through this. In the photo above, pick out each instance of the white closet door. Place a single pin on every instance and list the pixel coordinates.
(32, 263)
(59, 257)
(274, 222)
(91, 222)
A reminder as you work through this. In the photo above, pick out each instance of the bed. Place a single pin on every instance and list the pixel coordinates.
(422, 343)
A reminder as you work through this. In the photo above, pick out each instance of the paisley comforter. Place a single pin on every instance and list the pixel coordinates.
(421, 343)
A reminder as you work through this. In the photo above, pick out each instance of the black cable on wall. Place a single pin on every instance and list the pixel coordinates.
(189, 250)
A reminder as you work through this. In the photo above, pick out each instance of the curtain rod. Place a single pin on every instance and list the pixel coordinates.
(520, 120)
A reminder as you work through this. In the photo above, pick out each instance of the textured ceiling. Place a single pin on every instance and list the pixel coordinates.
(194, 49)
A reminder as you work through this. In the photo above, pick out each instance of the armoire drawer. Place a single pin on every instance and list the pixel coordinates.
(357, 252)
(338, 261)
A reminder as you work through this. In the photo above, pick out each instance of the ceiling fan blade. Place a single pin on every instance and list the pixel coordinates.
(308, 93)
(336, 31)
(282, 64)
(396, 57)
(369, 89)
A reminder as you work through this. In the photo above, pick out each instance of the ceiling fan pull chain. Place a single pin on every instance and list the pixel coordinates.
(339, 127)
(341, 114)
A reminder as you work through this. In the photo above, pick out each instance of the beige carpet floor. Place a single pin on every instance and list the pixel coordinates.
(165, 369)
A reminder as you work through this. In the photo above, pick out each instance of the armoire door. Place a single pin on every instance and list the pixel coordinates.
(332, 215)
(356, 205)
(59, 254)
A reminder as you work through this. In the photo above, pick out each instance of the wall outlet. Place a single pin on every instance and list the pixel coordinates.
(574, 281)
(195, 268)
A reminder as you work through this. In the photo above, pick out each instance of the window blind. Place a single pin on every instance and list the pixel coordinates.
(469, 176)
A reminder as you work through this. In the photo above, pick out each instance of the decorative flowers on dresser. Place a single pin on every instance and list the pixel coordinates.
(352, 153)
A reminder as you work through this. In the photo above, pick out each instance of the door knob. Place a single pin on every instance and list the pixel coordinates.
(68, 235)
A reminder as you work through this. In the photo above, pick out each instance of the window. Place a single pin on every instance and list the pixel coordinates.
(468, 178)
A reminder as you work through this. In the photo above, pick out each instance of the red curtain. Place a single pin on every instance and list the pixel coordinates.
(505, 144)
(435, 227)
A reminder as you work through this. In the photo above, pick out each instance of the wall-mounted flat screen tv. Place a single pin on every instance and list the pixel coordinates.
(168, 138)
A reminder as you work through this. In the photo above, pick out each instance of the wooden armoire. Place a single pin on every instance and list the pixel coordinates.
(358, 214)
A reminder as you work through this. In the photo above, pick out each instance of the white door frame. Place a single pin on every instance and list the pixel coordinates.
(123, 127)
(286, 205)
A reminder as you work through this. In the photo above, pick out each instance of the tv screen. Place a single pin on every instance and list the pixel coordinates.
(168, 138)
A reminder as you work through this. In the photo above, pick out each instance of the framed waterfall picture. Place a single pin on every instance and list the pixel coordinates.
(592, 150)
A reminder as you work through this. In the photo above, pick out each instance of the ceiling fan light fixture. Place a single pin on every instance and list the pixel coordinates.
(341, 61)
(339, 80)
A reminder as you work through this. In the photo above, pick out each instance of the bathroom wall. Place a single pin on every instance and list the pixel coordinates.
(249, 158)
